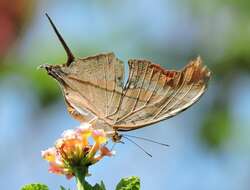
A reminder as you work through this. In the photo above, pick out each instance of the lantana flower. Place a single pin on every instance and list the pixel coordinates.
(73, 152)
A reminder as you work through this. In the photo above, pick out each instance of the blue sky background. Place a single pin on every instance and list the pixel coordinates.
(167, 32)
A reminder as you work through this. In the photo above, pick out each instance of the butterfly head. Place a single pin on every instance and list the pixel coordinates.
(116, 137)
(52, 70)
(56, 71)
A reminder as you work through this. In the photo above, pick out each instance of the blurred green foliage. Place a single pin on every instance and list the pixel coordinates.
(216, 127)
(129, 183)
(35, 187)
(233, 62)
(42, 84)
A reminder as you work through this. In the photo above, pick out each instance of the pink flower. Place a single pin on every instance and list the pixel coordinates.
(74, 150)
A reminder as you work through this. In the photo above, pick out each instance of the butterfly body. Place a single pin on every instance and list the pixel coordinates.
(95, 91)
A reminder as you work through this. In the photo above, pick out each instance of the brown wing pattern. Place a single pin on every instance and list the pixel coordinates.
(93, 88)
(154, 94)
(95, 83)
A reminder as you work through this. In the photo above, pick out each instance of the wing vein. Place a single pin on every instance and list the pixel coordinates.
(106, 96)
(113, 89)
(179, 99)
(137, 98)
(174, 93)
(135, 83)
(123, 93)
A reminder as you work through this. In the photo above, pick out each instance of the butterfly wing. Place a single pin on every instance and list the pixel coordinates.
(154, 94)
(93, 88)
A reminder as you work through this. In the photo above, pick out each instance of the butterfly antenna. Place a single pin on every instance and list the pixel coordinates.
(146, 139)
(70, 55)
(140, 147)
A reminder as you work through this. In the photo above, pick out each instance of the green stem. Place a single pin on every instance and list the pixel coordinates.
(80, 175)
(80, 185)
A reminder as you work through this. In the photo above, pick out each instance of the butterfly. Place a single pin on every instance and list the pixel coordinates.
(94, 90)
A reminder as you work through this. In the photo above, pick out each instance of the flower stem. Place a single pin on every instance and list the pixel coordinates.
(79, 184)
(80, 175)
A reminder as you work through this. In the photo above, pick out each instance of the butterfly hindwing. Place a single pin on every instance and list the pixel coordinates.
(158, 94)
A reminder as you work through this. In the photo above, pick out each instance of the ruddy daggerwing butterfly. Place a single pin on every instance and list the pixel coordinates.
(94, 90)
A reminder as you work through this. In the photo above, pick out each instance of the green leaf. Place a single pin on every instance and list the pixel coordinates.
(102, 185)
(35, 187)
(63, 188)
(129, 183)
(99, 186)
(87, 186)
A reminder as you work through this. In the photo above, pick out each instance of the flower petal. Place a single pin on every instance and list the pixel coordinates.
(99, 136)
(106, 152)
(54, 168)
(49, 154)
(69, 134)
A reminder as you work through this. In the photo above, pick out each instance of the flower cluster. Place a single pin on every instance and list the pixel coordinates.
(74, 151)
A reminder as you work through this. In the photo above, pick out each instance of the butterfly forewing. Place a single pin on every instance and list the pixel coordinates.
(95, 83)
